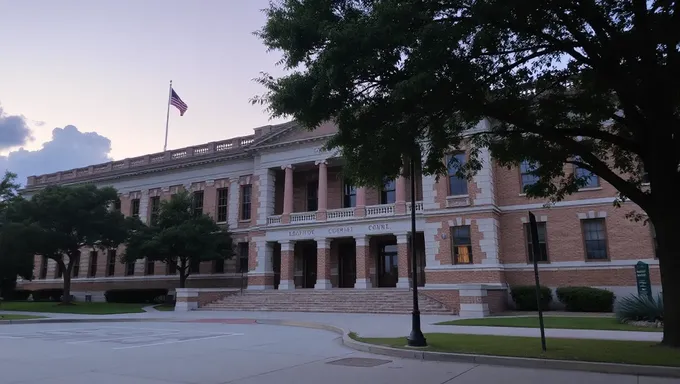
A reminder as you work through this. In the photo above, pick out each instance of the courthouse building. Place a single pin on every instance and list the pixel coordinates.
(298, 225)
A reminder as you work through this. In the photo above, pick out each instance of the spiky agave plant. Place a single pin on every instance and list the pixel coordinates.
(639, 308)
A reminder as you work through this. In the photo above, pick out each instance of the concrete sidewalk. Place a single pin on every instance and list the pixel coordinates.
(370, 325)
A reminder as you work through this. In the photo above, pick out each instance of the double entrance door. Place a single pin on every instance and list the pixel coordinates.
(388, 265)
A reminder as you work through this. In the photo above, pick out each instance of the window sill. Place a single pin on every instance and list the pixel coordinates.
(244, 221)
(597, 260)
(457, 201)
(590, 189)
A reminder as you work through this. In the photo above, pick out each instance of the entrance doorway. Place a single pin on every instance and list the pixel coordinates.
(308, 254)
(387, 265)
(347, 265)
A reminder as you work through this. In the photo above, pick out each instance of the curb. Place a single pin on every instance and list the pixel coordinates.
(58, 321)
(521, 362)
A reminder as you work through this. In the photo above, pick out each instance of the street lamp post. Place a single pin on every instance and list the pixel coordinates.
(416, 338)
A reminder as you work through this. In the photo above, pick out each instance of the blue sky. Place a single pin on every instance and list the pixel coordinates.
(73, 66)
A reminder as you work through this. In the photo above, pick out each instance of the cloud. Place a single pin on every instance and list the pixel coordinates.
(68, 149)
(13, 131)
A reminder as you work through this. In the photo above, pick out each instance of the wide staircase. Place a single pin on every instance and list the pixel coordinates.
(397, 301)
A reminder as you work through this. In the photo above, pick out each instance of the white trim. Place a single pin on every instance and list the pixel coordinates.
(404, 282)
(559, 204)
(286, 285)
(559, 265)
(447, 287)
(76, 280)
(362, 284)
(323, 284)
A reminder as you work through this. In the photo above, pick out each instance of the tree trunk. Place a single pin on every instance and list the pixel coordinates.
(667, 226)
(183, 273)
(66, 297)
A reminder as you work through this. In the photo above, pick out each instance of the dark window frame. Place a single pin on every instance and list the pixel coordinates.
(218, 266)
(117, 205)
(149, 267)
(349, 195)
(604, 246)
(455, 255)
(129, 268)
(92, 271)
(155, 208)
(582, 172)
(222, 205)
(243, 251)
(457, 186)
(134, 207)
(197, 199)
(194, 266)
(44, 260)
(246, 202)
(312, 195)
(111, 262)
(543, 243)
(388, 192)
(527, 179)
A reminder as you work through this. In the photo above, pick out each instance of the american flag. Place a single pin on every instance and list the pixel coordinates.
(178, 103)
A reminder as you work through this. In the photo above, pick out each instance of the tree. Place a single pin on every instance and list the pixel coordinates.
(15, 256)
(179, 237)
(62, 220)
(588, 83)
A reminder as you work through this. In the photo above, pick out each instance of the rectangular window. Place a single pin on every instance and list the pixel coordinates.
(312, 196)
(93, 264)
(654, 240)
(349, 196)
(197, 202)
(595, 239)
(388, 193)
(246, 190)
(218, 266)
(149, 267)
(43, 267)
(134, 209)
(111, 262)
(130, 268)
(76, 267)
(528, 179)
(171, 268)
(462, 244)
(243, 257)
(116, 205)
(591, 180)
(542, 243)
(457, 185)
(194, 266)
(222, 204)
(155, 203)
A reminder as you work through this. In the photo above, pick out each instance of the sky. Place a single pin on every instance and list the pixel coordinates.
(84, 82)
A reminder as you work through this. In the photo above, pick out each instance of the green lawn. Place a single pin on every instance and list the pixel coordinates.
(561, 322)
(605, 351)
(78, 307)
(20, 317)
(165, 307)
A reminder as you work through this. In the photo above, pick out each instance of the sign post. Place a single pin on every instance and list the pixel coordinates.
(644, 285)
(533, 227)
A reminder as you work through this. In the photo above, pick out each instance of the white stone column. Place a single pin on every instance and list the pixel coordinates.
(472, 303)
(234, 192)
(403, 261)
(186, 299)
(265, 202)
(263, 275)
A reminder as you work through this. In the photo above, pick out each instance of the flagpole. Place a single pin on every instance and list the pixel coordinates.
(167, 118)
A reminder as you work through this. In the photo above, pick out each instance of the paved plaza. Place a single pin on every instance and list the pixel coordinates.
(231, 350)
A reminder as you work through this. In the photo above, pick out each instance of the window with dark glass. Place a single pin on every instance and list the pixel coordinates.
(93, 264)
(591, 180)
(149, 267)
(171, 269)
(116, 205)
(129, 268)
(462, 244)
(43, 267)
(246, 191)
(595, 239)
(349, 196)
(243, 257)
(312, 196)
(218, 266)
(194, 266)
(197, 202)
(222, 204)
(457, 185)
(134, 209)
(75, 271)
(388, 193)
(111, 262)
(155, 203)
(542, 243)
(528, 179)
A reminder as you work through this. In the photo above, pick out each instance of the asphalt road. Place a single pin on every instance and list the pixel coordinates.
(232, 351)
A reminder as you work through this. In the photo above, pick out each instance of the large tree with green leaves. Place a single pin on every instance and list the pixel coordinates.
(592, 83)
(63, 220)
(16, 259)
(179, 237)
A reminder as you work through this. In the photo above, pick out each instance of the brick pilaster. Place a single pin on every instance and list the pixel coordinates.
(323, 264)
(287, 280)
(363, 263)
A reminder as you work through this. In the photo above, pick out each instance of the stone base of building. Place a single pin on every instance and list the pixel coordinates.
(260, 281)
(469, 300)
(189, 299)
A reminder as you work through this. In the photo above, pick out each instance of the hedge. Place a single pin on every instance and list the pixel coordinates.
(586, 299)
(17, 295)
(524, 297)
(137, 296)
(50, 294)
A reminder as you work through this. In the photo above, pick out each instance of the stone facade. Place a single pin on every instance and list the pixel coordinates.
(299, 225)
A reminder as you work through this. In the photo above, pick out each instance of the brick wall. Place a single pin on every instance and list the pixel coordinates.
(449, 298)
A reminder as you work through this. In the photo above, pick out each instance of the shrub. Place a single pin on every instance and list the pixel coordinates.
(524, 297)
(586, 299)
(17, 295)
(49, 294)
(639, 308)
(137, 296)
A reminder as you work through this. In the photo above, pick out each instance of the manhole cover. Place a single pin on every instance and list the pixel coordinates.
(359, 362)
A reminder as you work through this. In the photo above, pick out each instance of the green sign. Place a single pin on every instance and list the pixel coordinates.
(644, 285)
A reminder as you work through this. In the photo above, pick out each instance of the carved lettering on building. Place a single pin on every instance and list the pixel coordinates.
(379, 227)
(339, 230)
(301, 232)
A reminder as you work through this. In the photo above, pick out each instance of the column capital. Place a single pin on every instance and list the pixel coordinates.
(361, 241)
(287, 245)
(323, 243)
(287, 166)
(320, 162)
(402, 237)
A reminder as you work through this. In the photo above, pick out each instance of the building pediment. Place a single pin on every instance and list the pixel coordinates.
(293, 133)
